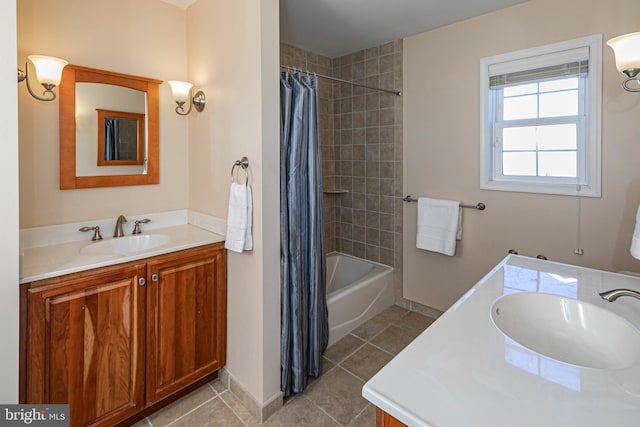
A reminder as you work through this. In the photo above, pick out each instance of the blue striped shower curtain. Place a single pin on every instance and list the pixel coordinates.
(111, 139)
(305, 329)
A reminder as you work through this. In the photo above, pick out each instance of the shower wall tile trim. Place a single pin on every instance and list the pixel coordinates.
(361, 138)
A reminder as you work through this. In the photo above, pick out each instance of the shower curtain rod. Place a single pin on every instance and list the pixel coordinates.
(335, 79)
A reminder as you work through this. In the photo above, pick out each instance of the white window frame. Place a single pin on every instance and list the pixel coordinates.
(589, 154)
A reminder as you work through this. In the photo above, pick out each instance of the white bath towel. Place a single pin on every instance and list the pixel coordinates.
(635, 240)
(439, 225)
(239, 218)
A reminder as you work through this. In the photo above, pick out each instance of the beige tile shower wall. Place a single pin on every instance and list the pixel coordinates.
(368, 145)
(296, 57)
(361, 137)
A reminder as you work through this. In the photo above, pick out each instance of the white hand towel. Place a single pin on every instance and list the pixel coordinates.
(439, 225)
(635, 240)
(248, 238)
(239, 219)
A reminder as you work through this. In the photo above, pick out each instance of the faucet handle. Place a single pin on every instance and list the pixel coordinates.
(96, 234)
(136, 227)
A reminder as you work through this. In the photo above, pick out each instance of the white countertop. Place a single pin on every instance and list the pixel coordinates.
(463, 371)
(55, 260)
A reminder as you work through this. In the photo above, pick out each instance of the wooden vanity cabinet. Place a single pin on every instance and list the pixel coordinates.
(113, 341)
(384, 419)
(186, 320)
(85, 344)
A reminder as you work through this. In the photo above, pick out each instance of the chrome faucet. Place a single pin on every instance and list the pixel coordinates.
(614, 294)
(118, 232)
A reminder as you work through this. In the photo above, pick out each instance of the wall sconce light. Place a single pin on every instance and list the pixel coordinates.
(626, 49)
(48, 73)
(182, 93)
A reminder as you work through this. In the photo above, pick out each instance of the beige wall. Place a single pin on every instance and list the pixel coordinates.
(227, 49)
(233, 57)
(9, 202)
(441, 134)
(139, 37)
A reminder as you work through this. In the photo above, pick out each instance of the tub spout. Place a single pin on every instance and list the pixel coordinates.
(614, 294)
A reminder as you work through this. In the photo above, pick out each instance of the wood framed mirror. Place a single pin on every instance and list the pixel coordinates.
(84, 93)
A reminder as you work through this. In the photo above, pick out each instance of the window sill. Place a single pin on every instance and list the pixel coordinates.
(555, 189)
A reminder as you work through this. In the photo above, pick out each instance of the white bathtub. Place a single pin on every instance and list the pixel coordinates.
(357, 290)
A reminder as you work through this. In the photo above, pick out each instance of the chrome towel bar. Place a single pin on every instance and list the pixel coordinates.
(480, 206)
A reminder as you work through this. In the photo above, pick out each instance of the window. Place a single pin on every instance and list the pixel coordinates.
(540, 119)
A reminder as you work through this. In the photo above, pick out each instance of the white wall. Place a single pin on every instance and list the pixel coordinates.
(9, 303)
(233, 58)
(441, 149)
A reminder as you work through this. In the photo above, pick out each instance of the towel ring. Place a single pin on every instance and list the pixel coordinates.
(244, 164)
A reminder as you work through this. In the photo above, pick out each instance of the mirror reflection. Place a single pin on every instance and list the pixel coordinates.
(112, 113)
(120, 138)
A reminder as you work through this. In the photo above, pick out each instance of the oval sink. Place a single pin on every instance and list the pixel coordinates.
(568, 330)
(125, 245)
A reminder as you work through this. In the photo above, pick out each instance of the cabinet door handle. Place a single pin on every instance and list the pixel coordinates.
(154, 277)
(141, 281)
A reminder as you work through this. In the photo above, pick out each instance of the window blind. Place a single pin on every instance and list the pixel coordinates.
(567, 63)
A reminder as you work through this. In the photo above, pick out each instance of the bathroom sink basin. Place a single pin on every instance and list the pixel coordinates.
(568, 330)
(125, 245)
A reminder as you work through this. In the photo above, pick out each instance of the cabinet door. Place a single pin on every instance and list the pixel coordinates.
(186, 319)
(85, 345)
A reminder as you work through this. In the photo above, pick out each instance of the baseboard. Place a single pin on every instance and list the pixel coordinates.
(419, 308)
(260, 411)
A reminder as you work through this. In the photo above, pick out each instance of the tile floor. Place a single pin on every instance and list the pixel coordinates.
(333, 399)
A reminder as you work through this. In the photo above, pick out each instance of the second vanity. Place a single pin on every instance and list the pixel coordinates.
(465, 371)
(121, 327)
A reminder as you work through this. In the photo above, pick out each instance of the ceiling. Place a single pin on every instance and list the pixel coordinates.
(337, 27)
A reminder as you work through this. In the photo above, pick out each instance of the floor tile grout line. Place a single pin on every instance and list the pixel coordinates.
(326, 372)
(356, 375)
(212, 388)
(363, 409)
(386, 326)
(191, 410)
(353, 375)
(374, 335)
(325, 412)
(329, 415)
(391, 323)
(350, 354)
(232, 410)
(410, 328)
(370, 340)
(382, 349)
